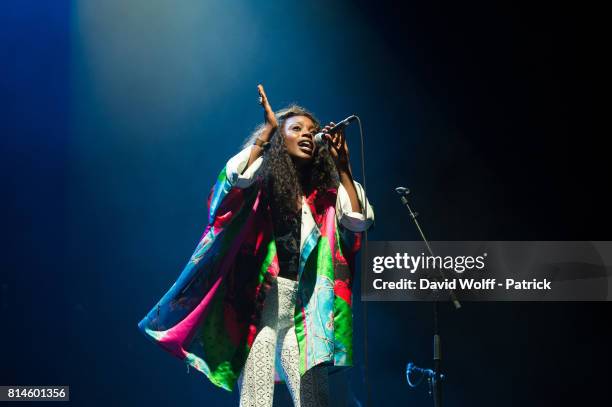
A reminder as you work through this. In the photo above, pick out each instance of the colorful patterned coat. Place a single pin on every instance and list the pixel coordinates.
(209, 317)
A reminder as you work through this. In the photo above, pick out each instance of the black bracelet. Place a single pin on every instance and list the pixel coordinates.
(260, 143)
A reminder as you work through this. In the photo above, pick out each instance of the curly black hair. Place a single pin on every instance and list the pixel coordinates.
(284, 184)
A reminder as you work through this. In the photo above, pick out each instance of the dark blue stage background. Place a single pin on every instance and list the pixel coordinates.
(117, 116)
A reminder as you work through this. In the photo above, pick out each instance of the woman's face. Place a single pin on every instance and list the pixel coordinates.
(299, 138)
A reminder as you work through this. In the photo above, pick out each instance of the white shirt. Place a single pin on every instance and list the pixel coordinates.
(353, 221)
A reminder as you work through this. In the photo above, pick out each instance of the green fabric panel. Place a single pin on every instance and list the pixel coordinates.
(325, 263)
(219, 348)
(343, 330)
(267, 261)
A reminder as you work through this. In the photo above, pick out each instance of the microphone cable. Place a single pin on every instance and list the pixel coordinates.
(363, 269)
(318, 139)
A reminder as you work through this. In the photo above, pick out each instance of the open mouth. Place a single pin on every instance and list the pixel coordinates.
(306, 146)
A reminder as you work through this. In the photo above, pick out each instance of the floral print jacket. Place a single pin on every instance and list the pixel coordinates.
(210, 315)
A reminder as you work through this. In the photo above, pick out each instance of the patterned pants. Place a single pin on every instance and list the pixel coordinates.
(276, 345)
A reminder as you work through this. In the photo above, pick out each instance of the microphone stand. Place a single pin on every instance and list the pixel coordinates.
(435, 379)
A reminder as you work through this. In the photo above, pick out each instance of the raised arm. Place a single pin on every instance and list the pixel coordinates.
(269, 127)
(338, 149)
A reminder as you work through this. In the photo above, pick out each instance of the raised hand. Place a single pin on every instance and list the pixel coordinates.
(269, 117)
(270, 127)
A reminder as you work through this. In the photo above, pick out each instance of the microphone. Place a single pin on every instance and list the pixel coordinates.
(319, 137)
(402, 190)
